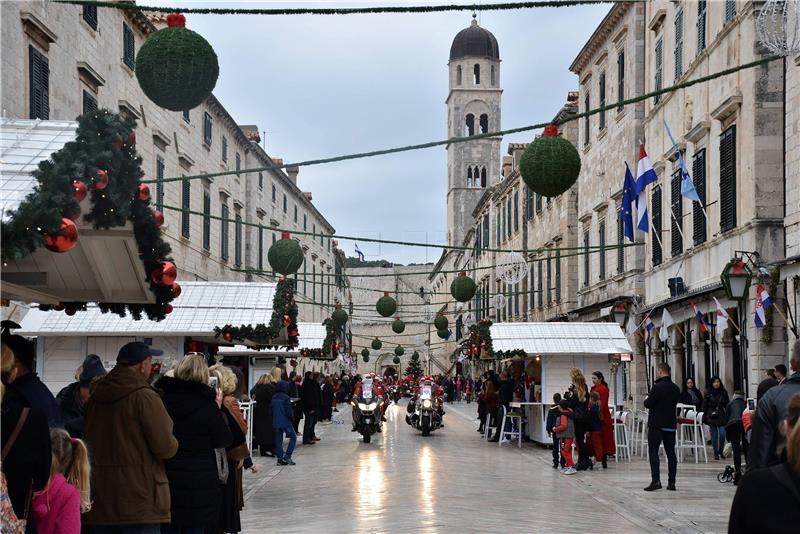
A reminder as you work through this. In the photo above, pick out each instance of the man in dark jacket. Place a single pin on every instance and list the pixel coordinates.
(662, 425)
(311, 396)
(129, 434)
(72, 399)
(771, 411)
(504, 397)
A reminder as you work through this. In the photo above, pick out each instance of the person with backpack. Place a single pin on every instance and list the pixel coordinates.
(715, 414)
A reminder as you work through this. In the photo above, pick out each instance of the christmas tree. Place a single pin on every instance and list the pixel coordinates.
(414, 368)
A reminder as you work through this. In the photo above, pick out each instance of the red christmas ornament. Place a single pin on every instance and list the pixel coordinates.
(293, 332)
(79, 191)
(176, 290)
(58, 307)
(102, 179)
(143, 192)
(76, 216)
(227, 336)
(65, 239)
(168, 309)
(70, 310)
(159, 217)
(286, 320)
(132, 139)
(176, 20)
(165, 274)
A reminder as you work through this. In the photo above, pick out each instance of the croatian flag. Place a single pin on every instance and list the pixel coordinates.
(648, 325)
(721, 312)
(760, 318)
(701, 320)
(359, 253)
(766, 300)
(645, 175)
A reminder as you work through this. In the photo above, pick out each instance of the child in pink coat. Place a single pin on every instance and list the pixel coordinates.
(58, 506)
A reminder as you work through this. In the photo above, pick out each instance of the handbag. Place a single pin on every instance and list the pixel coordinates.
(11, 522)
(222, 464)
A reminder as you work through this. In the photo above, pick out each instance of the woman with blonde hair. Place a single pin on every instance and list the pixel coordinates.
(263, 432)
(200, 428)
(577, 398)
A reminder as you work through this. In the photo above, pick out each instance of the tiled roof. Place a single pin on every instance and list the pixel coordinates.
(560, 338)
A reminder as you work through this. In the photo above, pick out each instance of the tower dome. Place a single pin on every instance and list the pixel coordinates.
(474, 42)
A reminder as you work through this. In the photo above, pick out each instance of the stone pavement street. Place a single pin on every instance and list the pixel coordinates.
(455, 482)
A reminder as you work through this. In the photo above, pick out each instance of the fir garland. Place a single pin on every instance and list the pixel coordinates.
(284, 315)
(505, 354)
(330, 347)
(479, 339)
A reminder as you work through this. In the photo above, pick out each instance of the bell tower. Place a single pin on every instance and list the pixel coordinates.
(473, 107)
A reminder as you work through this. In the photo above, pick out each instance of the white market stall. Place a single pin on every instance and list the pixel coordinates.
(551, 350)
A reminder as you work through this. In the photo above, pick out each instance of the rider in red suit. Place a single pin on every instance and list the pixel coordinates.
(377, 390)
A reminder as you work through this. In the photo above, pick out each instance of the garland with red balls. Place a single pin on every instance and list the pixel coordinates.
(330, 345)
(479, 340)
(102, 163)
(284, 315)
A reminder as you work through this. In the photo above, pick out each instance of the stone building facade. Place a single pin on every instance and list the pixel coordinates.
(62, 60)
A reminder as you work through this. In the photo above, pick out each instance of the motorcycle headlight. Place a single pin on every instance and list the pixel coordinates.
(362, 406)
(372, 406)
(426, 403)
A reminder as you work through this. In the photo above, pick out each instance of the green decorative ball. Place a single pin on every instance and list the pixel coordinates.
(386, 306)
(177, 68)
(415, 356)
(463, 288)
(442, 333)
(398, 350)
(376, 344)
(339, 317)
(551, 164)
(365, 353)
(285, 256)
(398, 326)
(396, 360)
(440, 322)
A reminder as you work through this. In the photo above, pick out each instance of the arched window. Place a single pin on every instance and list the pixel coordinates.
(470, 124)
(469, 177)
(458, 75)
(493, 78)
(483, 177)
(477, 74)
(484, 123)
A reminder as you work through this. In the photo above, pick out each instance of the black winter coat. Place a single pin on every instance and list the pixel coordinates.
(506, 393)
(200, 428)
(662, 401)
(693, 397)
(715, 407)
(765, 435)
(35, 394)
(262, 416)
(767, 501)
(312, 397)
(72, 411)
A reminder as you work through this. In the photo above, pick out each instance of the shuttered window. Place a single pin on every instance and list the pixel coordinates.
(128, 46)
(510, 227)
(39, 83)
(698, 217)
(528, 203)
(678, 45)
(224, 229)
(602, 90)
(538, 203)
(539, 288)
(159, 183)
(727, 179)
(260, 248)
(207, 219)
(238, 163)
(586, 120)
(730, 10)
(620, 78)
(207, 129)
(224, 148)
(261, 181)
(486, 232)
(516, 211)
(285, 204)
(659, 53)
(549, 280)
(237, 241)
(89, 102)
(90, 16)
(701, 25)
(586, 259)
(657, 253)
(558, 276)
(186, 117)
(503, 222)
(601, 240)
(620, 243)
(677, 214)
(497, 230)
(531, 284)
(186, 197)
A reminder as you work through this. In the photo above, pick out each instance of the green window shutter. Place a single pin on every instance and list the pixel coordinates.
(655, 220)
(698, 217)
(39, 84)
(727, 179)
(677, 214)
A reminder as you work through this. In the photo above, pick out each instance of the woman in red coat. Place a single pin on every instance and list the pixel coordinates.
(599, 385)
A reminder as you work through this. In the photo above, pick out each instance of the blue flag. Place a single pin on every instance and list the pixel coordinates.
(628, 197)
(687, 186)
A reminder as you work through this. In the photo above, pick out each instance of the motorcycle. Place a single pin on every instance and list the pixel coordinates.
(424, 411)
(395, 394)
(367, 413)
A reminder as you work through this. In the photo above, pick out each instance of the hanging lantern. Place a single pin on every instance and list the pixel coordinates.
(177, 69)
(440, 322)
(736, 279)
(285, 255)
(102, 179)
(551, 164)
(513, 268)
(339, 316)
(398, 350)
(376, 344)
(65, 239)
(463, 287)
(778, 27)
(79, 191)
(398, 326)
(159, 218)
(143, 192)
(165, 274)
(386, 305)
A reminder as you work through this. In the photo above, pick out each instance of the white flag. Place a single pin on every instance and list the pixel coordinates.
(721, 312)
(666, 322)
(630, 328)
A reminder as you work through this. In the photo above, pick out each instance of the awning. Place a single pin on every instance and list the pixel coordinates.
(200, 307)
(560, 338)
(311, 336)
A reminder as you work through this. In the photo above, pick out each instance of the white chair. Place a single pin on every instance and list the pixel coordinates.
(622, 437)
(514, 418)
(247, 410)
(487, 428)
(643, 450)
(700, 437)
(686, 435)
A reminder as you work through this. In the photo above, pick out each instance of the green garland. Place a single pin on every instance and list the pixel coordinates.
(774, 280)
(480, 338)
(505, 354)
(283, 305)
(104, 141)
(330, 347)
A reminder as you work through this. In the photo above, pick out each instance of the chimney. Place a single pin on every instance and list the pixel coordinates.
(292, 172)
(250, 131)
(508, 165)
(308, 195)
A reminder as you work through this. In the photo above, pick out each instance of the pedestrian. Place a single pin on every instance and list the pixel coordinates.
(597, 414)
(26, 457)
(691, 395)
(200, 429)
(468, 387)
(662, 423)
(765, 385)
(766, 437)
(295, 393)
(59, 505)
(565, 432)
(578, 398)
(459, 388)
(734, 431)
(263, 432)
(129, 435)
(780, 373)
(553, 416)
(715, 406)
(768, 500)
(504, 397)
(27, 384)
(282, 415)
(487, 406)
(327, 397)
(600, 386)
(72, 398)
(310, 394)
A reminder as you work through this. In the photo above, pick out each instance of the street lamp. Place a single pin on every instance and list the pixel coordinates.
(619, 314)
(736, 279)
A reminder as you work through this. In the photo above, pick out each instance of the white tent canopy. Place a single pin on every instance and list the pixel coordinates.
(560, 338)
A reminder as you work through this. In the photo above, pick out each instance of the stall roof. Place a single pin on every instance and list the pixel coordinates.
(311, 336)
(200, 307)
(560, 338)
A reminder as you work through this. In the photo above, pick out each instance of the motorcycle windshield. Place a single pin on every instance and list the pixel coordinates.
(425, 393)
(366, 391)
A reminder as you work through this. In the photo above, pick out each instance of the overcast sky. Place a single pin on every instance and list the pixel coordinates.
(327, 85)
